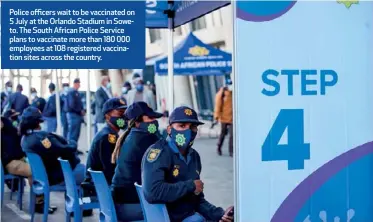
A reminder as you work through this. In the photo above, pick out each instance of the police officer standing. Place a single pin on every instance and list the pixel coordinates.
(18, 101)
(65, 125)
(171, 173)
(50, 111)
(74, 108)
(5, 95)
(36, 101)
(142, 132)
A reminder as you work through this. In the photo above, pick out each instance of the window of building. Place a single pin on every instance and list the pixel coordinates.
(198, 24)
(155, 34)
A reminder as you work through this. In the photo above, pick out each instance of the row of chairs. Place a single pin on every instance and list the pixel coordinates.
(74, 202)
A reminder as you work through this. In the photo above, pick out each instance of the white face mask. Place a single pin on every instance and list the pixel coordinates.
(9, 89)
(33, 95)
(66, 89)
(230, 87)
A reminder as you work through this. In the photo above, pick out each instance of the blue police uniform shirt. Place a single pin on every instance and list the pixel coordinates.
(50, 147)
(10, 143)
(168, 178)
(50, 109)
(39, 103)
(73, 102)
(99, 157)
(128, 170)
(18, 102)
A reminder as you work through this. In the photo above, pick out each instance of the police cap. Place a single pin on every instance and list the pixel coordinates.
(184, 114)
(114, 103)
(32, 113)
(141, 109)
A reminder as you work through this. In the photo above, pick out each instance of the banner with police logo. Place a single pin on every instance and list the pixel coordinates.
(304, 111)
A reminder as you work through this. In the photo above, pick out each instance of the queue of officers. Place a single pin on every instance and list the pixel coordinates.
(128, 149)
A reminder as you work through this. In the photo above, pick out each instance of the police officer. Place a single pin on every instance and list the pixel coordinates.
(5, 95)
(36, 101)
(65, 125)
(142, 132)
(12, 115)
(171, 172)
(103, 145)
(49, 147)
(74, 108)
(18, 101)
(50, 111)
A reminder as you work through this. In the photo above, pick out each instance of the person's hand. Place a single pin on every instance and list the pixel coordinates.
(227, 218)
(199, 186)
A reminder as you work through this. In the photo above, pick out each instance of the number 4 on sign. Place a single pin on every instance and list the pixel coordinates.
(296, 151)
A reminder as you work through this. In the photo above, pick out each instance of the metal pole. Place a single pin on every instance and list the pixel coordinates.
(170, 59)
(29, 84)
(58, 105)
(3, 79)
(88, 102)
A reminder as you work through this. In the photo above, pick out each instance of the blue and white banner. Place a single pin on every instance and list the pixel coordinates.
(304, 89)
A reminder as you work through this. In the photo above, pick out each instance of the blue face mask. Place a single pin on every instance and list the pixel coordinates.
(140, 87)
(9, 89)
(108, 85)
(150, 127)
(183, 138)
(65, 89)
(124, 90)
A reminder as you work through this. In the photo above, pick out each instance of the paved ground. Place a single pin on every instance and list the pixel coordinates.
(217, 174)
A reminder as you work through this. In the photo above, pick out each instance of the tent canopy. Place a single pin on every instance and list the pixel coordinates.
(193, 57)
(185, 11)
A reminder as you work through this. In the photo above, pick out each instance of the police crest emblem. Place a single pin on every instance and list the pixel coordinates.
(175, 173)
(112, 138)
(153, 155)
(188, 112)
(46, 143)
(122, 102)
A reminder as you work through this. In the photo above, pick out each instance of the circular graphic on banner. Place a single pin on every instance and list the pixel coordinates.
(261, 11)
(341, 190)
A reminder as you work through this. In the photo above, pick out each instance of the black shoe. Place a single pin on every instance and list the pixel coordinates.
(86, 213)
(39, 208)
(219, 152)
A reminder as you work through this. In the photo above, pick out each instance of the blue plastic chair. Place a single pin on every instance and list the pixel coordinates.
(74, 203)
(40, 184)
(152, 212)
(21, 186)
(107, 208)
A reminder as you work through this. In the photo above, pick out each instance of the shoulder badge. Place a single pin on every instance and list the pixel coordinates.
(153, 155)
(46, 143)
(112, 138)
(175, 173)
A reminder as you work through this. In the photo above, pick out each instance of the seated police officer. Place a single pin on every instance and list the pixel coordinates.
(13, 116)
(103, 145)
(49, 147)
(171, 171)
(142, 132)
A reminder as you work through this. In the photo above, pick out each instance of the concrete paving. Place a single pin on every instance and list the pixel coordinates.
(217, 174)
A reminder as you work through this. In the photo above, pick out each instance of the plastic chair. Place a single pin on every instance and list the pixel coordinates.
(74, 203)
(21, 185)
(152, 212)
(40, 184)
(107, 208)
